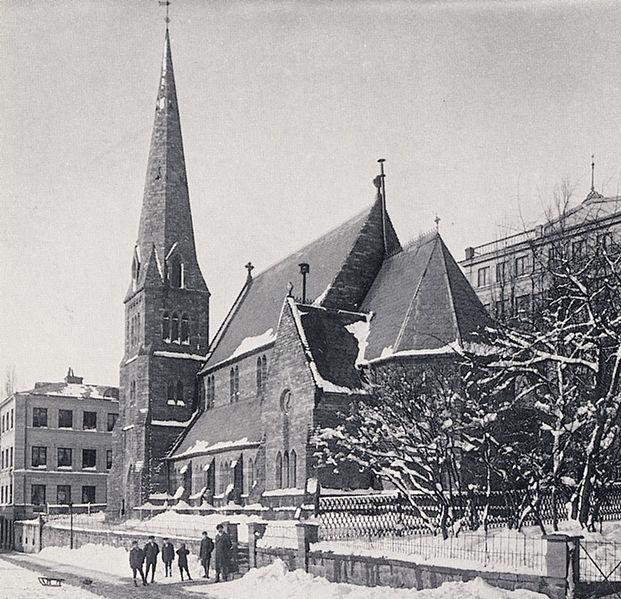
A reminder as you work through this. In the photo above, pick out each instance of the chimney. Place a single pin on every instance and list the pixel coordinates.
(71, 378)
(304, 270)
(469, 253)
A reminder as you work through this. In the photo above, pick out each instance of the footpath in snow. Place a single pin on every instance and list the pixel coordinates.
(20, 583)
(276, 581)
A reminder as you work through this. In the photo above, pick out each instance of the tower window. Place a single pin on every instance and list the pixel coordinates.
(174, 329)
(285, 468)
(166, 327)
(180, 400)
(176, 273)
(170, 392)
(135, 269)
(185, 330)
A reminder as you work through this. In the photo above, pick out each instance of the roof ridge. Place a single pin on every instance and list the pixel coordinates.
(450, 288)
(316, 239)
(411, 305)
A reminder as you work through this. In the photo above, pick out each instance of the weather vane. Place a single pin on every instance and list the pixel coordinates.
(165, 3)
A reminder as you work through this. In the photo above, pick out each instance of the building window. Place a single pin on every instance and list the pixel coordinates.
(522, 303)
(132, 392)
(483, 276)
(65, 418)
(63, 494)
(180, 400)
(502, 271)
(285, 469)
(39, 417)
(89, 458)
(176, 273)
(249, 475)
(112, 418)
(174, 329)
(185, 330)
(3, 422)
(166, 327)
(88, 494)
(521, 266)
(37, 494)
(108, 459)
(11, 426)
(293, 459)
(261, 374)
(285, 401)
(170, 392)
(89, 421)
(10, 457)
(577, 248)
(64, 457)
(278, 470)
(210, 385)
(503, 308)
(234, 383)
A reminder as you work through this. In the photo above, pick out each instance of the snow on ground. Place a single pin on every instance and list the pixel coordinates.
(21, 583)
(111, 560)
(276, 581)
(167, 523)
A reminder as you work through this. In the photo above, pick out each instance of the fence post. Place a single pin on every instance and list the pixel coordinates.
(306, 533)
(256, 530)
(563, 560)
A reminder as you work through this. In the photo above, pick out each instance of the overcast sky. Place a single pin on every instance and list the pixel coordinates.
(480, 109)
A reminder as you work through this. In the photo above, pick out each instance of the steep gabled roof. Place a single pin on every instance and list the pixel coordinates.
(331, 339)
(421, 303)
(256, 312)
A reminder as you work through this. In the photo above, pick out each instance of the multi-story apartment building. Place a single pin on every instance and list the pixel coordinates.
(509, 274)
(55, 447)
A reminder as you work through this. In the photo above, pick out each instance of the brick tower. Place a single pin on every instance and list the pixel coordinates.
(166, 316)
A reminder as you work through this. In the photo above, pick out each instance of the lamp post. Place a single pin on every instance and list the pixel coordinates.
(71, 524)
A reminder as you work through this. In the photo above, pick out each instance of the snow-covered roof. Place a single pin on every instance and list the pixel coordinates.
(75, 390)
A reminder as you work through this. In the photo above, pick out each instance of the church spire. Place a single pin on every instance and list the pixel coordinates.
(166, 218)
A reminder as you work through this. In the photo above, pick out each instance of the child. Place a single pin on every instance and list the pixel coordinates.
(182, 552)
(168, 555)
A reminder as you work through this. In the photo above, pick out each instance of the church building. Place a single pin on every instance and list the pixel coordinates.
(232, 419)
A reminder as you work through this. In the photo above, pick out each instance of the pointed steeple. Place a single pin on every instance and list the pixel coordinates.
(166, 218)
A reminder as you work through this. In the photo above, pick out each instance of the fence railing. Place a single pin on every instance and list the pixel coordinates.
(508, 551)
(600, 561)
(344, 516)
(280, 534)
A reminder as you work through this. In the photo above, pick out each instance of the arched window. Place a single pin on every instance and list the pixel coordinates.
(137, 339)
(285, 469)
(232, 383)
(166, 326)
(170, 392)
(249, 475)
(176, 273)
(264, 371)
(278, 471)
(259, 375)
(135, 269)
(293, 458)
(211, 390)
(185, 330)
(180, 399)
(222, 481)
(174, 330)
(236, 383)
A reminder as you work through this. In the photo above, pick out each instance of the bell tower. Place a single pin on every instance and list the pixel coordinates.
(166, 316)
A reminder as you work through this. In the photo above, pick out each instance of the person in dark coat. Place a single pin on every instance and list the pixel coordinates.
(168, 556)
(205, 553)
(136, 559)
(183, 553)
(151, 551)
(223, 547)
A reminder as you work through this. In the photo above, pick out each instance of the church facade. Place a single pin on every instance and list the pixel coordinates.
(232, 419)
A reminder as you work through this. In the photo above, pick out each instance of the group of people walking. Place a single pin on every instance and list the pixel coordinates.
(147, 557)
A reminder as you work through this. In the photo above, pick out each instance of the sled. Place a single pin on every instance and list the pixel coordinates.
(48, 581)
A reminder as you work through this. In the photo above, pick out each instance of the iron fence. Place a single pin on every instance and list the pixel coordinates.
(280, 534)
(600, 561)
(353, 516)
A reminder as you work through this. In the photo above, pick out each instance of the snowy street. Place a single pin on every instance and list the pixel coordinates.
(19, 572)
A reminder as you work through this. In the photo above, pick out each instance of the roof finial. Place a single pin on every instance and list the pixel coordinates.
(592, 172)
(249, 267)
(290, 289)
(165, 3)
(437, 220)
(381, 188)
